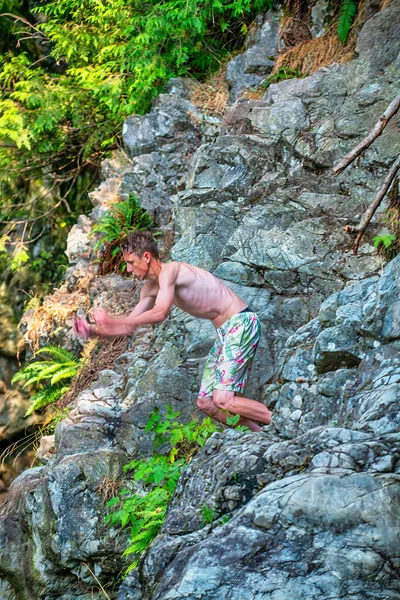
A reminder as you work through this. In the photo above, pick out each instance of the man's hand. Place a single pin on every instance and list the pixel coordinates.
(81, 328)
(101, 317)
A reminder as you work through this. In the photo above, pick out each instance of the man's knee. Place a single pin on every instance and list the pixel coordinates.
(205, 403)
(222, 399)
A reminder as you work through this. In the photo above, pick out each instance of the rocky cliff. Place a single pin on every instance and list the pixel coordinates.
(313, 499)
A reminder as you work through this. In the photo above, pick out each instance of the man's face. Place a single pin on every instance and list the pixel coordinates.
(138, 266)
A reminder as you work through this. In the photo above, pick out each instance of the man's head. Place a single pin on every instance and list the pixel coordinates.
(139, 250)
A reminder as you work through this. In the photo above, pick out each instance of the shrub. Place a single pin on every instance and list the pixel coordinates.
(145, 513)
(58, 373)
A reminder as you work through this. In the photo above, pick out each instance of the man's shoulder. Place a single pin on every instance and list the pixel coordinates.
(181, 272)
(171, 269)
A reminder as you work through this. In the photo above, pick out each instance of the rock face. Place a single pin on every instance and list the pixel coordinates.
(312, 501)
(161, 145)
(257, 61)
(316, 515)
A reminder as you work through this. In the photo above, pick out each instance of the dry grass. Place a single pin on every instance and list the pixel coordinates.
(109, 261)
(211, 97)
(312, 55)
(108, 488)
(255, 94)
(31, 441)
(57, 308)
(293, 32)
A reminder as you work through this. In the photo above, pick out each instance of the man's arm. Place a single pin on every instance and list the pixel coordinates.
(141, 315)
(163, 301)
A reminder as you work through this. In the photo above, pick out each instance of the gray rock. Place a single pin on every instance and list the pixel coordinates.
(286, 515)
(319, 13)
(252, 66)
(337, 348)
(313, 496)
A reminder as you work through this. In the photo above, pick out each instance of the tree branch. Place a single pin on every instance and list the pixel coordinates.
(23, 20)
(373, 134)
(374, 204)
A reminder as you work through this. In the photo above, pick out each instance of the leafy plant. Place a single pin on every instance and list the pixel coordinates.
(281, 74)
(121, 219)
(385, 240)
(68, 82)
(347, 13)
(233, 422)
(57, 373)
(115, 224)
(208, 514)
(145, 513)
(387, 245)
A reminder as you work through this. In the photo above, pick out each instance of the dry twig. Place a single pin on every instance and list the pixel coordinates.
(373, 134)
(374, 204)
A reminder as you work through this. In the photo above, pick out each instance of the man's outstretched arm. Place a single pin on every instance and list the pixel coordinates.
(109, 326)
(143, 314)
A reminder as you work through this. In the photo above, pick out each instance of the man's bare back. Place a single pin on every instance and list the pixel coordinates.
(190, 288)
(197, 292)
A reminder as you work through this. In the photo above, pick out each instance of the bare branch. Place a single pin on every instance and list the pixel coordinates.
(25, 21)
(374, 204)
(373, 134)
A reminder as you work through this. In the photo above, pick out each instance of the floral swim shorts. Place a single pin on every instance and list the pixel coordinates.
(229, 361)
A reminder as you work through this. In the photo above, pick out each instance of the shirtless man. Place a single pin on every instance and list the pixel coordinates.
(202, 295)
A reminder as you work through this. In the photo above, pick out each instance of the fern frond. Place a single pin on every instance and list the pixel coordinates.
(29, 370)
(66, 373)
(46, 371)
(348, 11)
(140, 545)
(59, 353)
(24, 373)
(45, 397)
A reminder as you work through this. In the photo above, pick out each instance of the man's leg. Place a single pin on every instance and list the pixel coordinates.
(207, 405)
(249, 409)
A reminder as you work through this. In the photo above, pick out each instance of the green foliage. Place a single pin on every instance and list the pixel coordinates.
(57, 373)
(113, 226)
(208, 514)
(387, 245)
(385, 240)
(281, 74)
(145, 513)
(233, 422)
(121, 219)
(347, 13)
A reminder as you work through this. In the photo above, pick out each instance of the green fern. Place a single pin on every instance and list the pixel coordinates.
(45, 397)
(59, 354)
(58, 374)
(121, 219)
(142, 540)
(347, 13)
(67, 373)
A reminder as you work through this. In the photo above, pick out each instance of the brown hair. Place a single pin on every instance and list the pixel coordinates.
(139, 242)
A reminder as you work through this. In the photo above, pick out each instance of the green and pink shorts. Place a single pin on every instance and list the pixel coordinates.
(230, 358)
